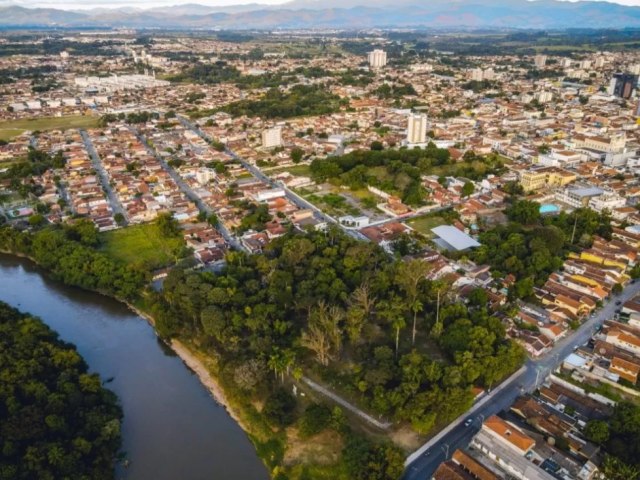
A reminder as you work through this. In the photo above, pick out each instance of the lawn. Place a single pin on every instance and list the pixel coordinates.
(426, 223)
(141, 244)
(12, 128)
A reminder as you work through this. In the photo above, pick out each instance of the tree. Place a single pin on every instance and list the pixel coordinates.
(36, 220)
(279, 408)
(167, 225)
(409, 276)
(467, 189)
(617, 289)
(296, 154)
(615, 469)
(377, 146)
(323, 335)
(597, 431)
(361, 304)
(525, 212)
(315, 419)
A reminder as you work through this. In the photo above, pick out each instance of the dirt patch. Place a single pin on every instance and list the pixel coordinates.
(322, 449)
(406, 438)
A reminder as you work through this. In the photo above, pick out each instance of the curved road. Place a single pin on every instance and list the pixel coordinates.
(423, 462)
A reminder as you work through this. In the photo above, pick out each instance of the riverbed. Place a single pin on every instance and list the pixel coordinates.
(172, 428)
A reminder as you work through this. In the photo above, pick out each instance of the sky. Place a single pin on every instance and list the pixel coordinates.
(87, 4)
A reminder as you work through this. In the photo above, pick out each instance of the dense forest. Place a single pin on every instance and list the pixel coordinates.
(69, 254)
(56, 419)
(400, 170)
(298, 101)
(344, 311)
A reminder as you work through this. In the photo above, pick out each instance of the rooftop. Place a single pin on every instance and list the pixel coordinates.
(454, 238)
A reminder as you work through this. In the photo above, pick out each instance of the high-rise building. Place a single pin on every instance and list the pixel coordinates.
(477, 75)
(377, 58)
(540, 61)
(623, 84)
(417, 129)
(272, 137)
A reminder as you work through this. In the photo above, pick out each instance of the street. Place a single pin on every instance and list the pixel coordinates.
(188, 191)
(424, 461)
(116, 206)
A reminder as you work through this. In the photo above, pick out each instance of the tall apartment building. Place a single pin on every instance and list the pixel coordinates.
(540, 61)
(417, 128)
(272, 137)
(623, 85)
(377, 58)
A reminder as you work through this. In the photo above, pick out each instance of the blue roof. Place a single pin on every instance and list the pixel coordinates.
(455, 238)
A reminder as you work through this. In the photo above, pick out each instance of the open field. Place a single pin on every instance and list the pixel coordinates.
(301, 170)
(141, 244)
(13, 128)
(425, 224)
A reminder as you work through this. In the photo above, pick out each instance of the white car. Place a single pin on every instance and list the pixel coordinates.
(468, 422)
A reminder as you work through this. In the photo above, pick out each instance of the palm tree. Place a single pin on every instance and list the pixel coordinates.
(409, 276)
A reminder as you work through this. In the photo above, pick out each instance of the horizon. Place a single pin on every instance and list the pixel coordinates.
(151, 4)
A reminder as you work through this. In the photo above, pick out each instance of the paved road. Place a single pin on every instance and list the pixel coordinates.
(260, 175)
(422, 463)
(114, 201)
(341, 401)
(188, 191)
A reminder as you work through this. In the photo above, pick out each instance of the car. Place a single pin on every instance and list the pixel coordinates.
(468, 422)
(618, 302)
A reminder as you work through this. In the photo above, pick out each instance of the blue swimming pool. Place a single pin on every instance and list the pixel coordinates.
(549, 208)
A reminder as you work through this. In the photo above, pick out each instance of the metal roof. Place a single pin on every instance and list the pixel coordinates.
(457, 239)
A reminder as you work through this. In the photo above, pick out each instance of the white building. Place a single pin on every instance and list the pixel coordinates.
(540, 61)
(544, 97)
(417, 129)
(377, 58)
(608, 201)
(272, 137)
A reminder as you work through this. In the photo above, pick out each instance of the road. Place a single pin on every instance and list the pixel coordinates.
(422, 463)
(260, 175)
(116, 206)
(188, 191)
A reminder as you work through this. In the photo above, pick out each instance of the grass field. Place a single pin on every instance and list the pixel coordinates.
(141, 244)
(298, 170)
(13, 128)
(425, 224)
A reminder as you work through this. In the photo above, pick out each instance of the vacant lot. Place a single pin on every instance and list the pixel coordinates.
(13, 128)
(141, 244)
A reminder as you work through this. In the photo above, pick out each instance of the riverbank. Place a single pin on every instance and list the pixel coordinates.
(192, 358)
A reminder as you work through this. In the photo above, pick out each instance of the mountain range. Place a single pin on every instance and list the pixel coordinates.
(352, 14)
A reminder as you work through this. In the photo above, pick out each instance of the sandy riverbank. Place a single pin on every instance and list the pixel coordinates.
(192, 361)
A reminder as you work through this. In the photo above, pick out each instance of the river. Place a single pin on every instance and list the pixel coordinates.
(172, 428)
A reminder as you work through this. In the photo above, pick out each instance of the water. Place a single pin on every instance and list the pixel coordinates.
(547, 208)
(172, 428)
